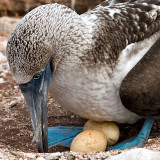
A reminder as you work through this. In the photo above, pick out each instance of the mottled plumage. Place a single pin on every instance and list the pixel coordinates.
(90, 54)
(86, 52)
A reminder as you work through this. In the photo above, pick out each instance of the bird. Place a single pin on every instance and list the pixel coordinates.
(90, 64)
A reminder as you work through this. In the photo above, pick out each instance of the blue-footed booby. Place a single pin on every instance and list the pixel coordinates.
(85, 60)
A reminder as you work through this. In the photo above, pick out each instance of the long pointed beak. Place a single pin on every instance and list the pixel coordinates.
(35, 93)
(37, 105)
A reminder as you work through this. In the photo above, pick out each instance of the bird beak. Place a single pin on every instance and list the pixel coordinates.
(35, 93)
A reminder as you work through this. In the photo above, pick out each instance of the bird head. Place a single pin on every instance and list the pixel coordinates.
(29, 57)
(31, 68)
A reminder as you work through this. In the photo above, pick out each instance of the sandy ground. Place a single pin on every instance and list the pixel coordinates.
(15, 127)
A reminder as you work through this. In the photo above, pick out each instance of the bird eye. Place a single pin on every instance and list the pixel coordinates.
(37, 76)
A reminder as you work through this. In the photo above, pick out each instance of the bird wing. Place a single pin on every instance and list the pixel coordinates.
(140, 89)
(119, 24)
(122, 29)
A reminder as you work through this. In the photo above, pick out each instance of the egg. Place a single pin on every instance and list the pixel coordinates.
(89, 141)
(110, 129)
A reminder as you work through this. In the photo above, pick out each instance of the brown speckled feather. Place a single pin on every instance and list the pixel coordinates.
(132, 21)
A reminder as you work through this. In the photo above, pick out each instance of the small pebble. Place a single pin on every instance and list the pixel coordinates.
(40, 158)
(53, 156)
(30, 155)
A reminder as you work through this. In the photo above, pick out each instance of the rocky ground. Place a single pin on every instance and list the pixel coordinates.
(16, 130)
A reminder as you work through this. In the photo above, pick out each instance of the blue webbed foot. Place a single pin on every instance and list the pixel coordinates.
(139, 140)
(62, 135)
